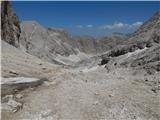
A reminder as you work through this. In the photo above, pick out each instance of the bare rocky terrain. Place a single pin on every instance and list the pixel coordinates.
(48, 76)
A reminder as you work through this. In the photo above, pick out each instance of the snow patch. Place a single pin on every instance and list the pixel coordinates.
(129, 54)
(90, 69)
(71, 58)
(18, 80)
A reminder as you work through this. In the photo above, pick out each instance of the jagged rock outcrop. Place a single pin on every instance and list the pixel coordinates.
(149, 33)
(141, 50)
(147, 59)
(9, 24)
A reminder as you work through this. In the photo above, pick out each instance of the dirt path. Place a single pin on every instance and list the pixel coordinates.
(94, 94)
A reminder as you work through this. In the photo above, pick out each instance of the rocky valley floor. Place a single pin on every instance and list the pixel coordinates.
(91, 94)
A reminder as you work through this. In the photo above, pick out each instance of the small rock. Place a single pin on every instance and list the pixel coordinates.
(134, 117)
(154, 90)
(15, 110)
(96, 93)
(146, 80)
(6, 98)
(47, 83)
(13, 72)
(111, 95)
(44, 68)
(13, 103)
(95, 103)
(40, 63)
(115, 64)
(45, 114)
(31, 88)
(15, 90)
(19, 96)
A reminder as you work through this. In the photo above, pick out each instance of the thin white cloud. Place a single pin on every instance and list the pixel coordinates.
(84, 26)
(89, 26)
(79, 26)
(116, 25)
(120, 25)
(137, 24)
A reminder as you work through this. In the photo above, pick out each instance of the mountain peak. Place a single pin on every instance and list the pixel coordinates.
(149, 24)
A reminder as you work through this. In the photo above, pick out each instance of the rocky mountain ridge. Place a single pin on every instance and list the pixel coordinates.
(145, 39)
(44, 43)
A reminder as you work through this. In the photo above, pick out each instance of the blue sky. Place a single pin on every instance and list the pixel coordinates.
(87, 18)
